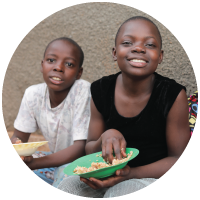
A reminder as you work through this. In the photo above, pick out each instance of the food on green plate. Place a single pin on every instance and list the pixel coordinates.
(95, 166)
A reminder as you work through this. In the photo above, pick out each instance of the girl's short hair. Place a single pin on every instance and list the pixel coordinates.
(72, 42)
(135, 18)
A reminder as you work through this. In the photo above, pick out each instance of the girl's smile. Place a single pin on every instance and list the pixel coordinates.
(138, 48)
(137, 62)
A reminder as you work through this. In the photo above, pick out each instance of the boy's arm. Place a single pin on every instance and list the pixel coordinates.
(59, 158)
(79, 131)
(19, 135)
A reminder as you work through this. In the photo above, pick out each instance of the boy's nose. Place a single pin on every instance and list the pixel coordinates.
(58, 68)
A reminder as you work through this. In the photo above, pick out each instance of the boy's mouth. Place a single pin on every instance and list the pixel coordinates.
(55, 80)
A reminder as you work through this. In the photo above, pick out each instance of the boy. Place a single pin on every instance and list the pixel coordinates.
(60, 108)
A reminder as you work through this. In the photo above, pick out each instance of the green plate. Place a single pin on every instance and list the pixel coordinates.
(86, 161)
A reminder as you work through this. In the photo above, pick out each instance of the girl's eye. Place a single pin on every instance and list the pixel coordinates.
(69, 64)
(151, 45)
(126, 42)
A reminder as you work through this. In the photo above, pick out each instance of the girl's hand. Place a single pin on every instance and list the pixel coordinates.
(113, 140)
(120, 175)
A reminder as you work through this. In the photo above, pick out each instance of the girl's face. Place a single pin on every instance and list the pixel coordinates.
(138, 48)
(60, 66)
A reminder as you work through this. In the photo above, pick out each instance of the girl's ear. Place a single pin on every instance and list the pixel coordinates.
(161, 56)
(41, 68)
(79, 73)
(114, 54)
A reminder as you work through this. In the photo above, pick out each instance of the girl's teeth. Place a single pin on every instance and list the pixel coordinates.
(135, 60)
(55, 78)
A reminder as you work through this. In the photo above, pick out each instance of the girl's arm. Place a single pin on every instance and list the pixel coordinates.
(101, 140)
(96, 128)
(177, 137)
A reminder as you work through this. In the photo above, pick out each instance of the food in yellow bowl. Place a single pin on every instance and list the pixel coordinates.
(27, 149)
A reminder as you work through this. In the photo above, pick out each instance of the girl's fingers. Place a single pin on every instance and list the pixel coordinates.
(117, 148)
(109, 152)
(123, 148)
(90, 183)
(123, 172)
(104, 152)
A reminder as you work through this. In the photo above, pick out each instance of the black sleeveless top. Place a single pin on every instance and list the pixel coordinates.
(146, 131)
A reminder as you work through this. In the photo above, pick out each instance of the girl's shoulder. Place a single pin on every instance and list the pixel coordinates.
(165, 82)
(104, 84)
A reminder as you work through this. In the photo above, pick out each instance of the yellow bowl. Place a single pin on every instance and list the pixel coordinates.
(27, 149)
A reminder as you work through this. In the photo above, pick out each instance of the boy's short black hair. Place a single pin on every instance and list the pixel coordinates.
(142, 18)
(72, 42)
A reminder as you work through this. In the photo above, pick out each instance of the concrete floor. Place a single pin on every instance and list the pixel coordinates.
(35, 138)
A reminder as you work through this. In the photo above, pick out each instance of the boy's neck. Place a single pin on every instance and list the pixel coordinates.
(57, 97)
(136, 86)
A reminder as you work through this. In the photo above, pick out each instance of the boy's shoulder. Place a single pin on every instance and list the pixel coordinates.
(36, 90)
(81, 83)
(79, 90)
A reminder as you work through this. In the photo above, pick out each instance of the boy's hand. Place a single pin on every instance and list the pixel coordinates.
(113, 140)
(26, 159)
(16, 141)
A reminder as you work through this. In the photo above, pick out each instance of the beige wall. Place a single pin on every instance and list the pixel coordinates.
(93, 26)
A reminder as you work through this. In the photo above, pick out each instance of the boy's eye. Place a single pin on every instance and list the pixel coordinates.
(50, 60)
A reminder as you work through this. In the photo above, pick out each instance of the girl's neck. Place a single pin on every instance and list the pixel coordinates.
(134, 86)
(57, 97)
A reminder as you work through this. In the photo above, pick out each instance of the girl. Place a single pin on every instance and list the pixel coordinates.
(60, 108)
(135, 108)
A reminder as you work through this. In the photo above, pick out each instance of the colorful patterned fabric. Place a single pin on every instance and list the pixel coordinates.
(53, 175)
(193, 109)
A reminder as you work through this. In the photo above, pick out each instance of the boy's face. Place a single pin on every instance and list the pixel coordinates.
(60, 66)
(138, 48)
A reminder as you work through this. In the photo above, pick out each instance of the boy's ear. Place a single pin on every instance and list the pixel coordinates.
(161, 56)
(114, 54)
(41, 67)
(79, 73)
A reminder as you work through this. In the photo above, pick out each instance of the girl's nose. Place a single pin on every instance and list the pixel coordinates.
(138, 49)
